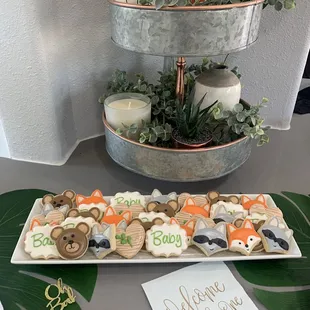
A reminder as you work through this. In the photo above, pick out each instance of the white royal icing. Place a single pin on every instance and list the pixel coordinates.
(39, 244)
(150, 216)
(128, 198)
(166, 240)
(86, 207)
(230, 208)
(71, 222)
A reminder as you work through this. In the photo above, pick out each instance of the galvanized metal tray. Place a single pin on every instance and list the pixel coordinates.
(177, 165)
(185, 31)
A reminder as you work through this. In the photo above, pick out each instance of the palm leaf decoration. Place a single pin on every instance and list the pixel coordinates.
(19, 288)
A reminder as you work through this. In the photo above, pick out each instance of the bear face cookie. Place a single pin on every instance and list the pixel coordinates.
(210, 240)
(215, 197)
(169, 208)
(166, 240)
(71, 243)
(276, 236)
(62, 202)
(93, 212)
(149, 223)
(102, 243)
(243, 239)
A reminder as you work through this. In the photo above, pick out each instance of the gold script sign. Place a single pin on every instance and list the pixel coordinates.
(55, 301)
(208, 295)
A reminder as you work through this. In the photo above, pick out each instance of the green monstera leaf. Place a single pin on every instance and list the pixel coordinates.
(18, 283)
(284, 273)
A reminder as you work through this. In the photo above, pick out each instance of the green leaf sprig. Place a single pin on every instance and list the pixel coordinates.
(124, 239)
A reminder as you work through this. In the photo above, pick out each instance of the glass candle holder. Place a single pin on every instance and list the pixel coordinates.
(126, 109)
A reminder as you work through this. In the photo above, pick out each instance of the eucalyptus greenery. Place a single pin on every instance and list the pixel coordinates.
(149, 133)
(227, 126)
(278, 4)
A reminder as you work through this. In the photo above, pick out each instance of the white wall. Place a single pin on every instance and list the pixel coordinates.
(56, 57)
(4, 149)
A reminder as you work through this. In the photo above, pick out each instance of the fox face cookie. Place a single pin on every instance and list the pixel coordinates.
(192, 208)
(276, 236)
(189, 226)
(95, 200)
(60, 202)
(210, 240)
(71, 243)
(247, 202)
(111, 217)
(243, 239)
(215, 197)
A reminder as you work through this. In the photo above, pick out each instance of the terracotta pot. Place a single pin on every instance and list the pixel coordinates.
(183, 145)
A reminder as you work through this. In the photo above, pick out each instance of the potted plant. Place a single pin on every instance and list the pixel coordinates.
(191, 130)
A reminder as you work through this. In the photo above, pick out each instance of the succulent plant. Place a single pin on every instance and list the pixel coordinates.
(191, 121)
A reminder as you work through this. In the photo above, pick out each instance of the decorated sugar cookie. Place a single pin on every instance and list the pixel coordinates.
(72, 222)
(276, 236)
(199, 200)
(111, 217)
(230, 207)
(210, 240)
(102, 243)
(166, 240)
(247, 202)
(93, 212)
(215, 197)
(147, 224)
(129, 241)
(243, 239)
(222, 215)
(169, 208)
(54, 217)
(189, 226)
(239, 222)
(150, 216)
(158, 197)
(71, 243)
(135, 209)
(128, 198)
(257, 214)
(95, 200)
(62, 202)
(191, 208)
(39, 244)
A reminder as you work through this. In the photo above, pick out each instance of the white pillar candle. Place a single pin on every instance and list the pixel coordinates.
(127, 109)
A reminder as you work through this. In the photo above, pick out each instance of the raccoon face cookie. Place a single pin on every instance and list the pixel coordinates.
(102, 243)
(158, 197)
(63, 201)
(276, 236)
(210, 240)
(71, 243)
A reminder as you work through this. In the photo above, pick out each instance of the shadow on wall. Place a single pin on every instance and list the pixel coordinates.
(77, 39)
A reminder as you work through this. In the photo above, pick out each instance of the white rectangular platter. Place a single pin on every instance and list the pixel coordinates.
(191, 255)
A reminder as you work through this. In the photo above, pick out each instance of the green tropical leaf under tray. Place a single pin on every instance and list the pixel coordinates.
(299, 300)
(17, 288)
(294, 272)
(284, 273)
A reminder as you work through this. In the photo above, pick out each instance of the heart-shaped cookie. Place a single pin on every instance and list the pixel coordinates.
(135, 209)
(130, 241)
